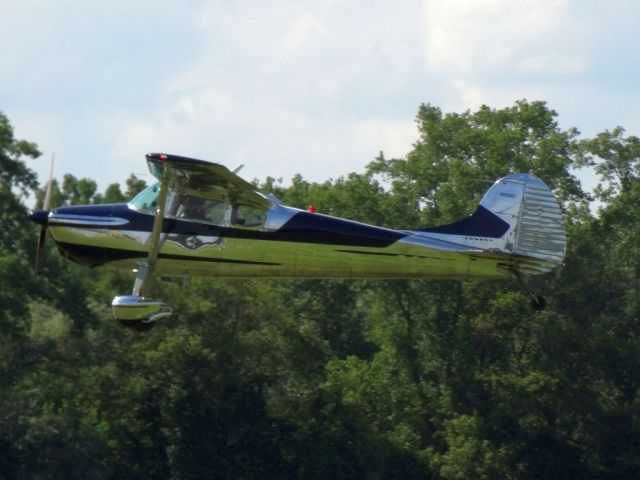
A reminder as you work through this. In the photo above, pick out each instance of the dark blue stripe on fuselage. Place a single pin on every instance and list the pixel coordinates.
(302, 227)
(318, 228)
(482, 223)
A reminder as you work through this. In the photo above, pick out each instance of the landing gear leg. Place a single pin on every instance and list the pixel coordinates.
(141, 276)
(135, 311)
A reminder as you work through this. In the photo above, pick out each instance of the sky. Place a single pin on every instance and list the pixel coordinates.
(284, 87)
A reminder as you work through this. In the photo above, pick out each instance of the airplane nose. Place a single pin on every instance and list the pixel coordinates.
(41, 217)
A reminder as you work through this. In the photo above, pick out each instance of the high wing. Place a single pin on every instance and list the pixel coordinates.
(203, 179)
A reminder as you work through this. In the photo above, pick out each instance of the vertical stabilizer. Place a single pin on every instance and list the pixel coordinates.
(519, 215)
(530, 208)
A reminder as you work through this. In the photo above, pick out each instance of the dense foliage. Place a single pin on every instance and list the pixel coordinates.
(341, 379)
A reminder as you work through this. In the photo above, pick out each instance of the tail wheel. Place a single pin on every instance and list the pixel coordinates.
(538, 303)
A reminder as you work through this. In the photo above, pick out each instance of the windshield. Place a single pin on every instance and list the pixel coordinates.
(146, 200)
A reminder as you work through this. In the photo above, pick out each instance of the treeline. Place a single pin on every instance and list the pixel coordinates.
(319, 379)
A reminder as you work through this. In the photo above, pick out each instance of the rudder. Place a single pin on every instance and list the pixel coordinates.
(536, 228)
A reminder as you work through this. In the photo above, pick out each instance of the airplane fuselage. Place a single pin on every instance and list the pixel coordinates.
(290, 243)
(201, 219)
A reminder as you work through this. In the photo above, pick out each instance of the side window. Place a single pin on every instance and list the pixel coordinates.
(244, 215)
(216, 211)
(202, 209)
(146, 200)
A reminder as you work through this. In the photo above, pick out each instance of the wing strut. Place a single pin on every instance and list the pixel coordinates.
(148, 266)
(136, 311)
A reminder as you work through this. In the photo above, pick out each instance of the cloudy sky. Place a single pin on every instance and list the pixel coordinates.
(313, 87)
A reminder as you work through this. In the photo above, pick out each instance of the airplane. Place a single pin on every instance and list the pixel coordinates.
(202, 219)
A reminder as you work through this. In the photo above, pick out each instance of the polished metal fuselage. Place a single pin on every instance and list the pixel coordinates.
(94, 237)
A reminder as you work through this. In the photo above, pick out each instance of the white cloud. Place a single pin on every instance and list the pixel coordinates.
(553, 64)
(282, 89)
(501, 50)
(314, 86)
(472, 35)
(579, 57)
(305, 29)
(277, 142)
(392, 137)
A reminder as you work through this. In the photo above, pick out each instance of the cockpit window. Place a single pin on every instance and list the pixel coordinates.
(244, 215)
(202, 209)
(147, 200)
(199, 209)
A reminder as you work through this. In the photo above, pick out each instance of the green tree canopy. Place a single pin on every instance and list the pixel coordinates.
(341, 379)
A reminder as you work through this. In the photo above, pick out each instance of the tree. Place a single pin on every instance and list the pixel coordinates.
(134, 186)
(447, 339)
(15, 232)
(458, 155)
(345, 379)
(13, 171)
(617, 161)
(14, 175)
(112, 194)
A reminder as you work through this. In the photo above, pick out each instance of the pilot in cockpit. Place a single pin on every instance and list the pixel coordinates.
(194, 208)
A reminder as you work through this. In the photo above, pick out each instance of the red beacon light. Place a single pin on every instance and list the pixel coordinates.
(311, 209)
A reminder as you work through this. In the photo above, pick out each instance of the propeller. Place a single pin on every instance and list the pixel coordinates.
(41, 217)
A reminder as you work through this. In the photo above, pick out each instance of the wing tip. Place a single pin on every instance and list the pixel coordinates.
(176, 159)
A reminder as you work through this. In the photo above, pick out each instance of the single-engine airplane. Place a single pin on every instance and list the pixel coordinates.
(201, 219)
